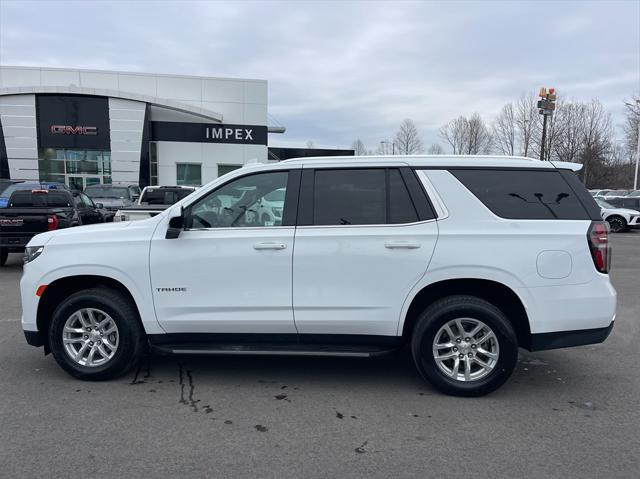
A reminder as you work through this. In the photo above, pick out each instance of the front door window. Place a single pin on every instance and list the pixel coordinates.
(251, 201)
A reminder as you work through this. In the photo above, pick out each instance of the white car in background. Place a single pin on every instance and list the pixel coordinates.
(271, 205)
(152, 201)
(619, 219)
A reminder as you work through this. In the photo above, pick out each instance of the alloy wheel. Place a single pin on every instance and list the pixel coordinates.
(90, 337)
(466, 349)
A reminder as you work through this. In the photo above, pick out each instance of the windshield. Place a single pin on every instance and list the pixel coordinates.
(106, 192)
(604, 204)
(276, 196)
(6, 193)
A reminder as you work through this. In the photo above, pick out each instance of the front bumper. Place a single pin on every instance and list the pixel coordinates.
(567, 339)
(34, 338)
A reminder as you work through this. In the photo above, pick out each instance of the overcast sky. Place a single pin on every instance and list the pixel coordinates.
(342, 70)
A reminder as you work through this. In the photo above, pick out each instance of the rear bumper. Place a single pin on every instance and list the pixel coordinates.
(567, 339)
(16, 243)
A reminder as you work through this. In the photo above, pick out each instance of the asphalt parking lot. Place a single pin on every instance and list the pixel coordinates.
(564, 413)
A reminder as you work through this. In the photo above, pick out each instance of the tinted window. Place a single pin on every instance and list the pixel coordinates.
(401, 209)
(524, 194)
(350, 197)
(161, 196)
(240, 203)
(26, 199)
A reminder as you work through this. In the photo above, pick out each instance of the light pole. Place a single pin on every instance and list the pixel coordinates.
(546, 105)
(635, 176)
(393, 145)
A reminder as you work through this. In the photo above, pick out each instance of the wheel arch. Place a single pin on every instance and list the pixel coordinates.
(498, 294)
(65, 286)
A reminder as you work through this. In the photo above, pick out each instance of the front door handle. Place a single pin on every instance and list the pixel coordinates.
(402, 244)
(269, 246)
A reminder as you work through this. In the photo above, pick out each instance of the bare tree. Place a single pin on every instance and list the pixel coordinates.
(310, 144)
(480, 140)
(467, 136)
(358, 148)
(435, 149)
(455, 133)
(567, 139)
(407, 139)
(632, 123)
(504, 130)
(597, 139)
(526, 119)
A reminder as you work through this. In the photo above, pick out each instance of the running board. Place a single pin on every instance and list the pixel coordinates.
(338, 350)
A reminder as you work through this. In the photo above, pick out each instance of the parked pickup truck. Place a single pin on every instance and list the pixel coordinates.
(30, 212)
(152, 201)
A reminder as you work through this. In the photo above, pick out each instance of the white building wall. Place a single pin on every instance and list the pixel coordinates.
(240, 101)
(237, 101)
(18, 117)
(126, 121)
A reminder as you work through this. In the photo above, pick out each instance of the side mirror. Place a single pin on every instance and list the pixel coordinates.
(176, 225)
(99, 206)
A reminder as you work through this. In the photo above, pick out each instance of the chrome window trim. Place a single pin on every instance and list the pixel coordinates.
(383, 225)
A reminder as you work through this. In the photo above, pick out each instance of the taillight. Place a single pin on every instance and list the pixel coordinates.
(598, 238)
(52, 222)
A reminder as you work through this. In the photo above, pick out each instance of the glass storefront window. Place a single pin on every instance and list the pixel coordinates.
(189, 174)
(67, 165)
(224, 169)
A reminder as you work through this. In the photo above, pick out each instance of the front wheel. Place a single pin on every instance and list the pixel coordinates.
(96, 334)
(4, 254)
(464, 346)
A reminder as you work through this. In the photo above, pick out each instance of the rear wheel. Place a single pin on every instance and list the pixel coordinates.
(4, 254)
(96, 334)
(464, 346)
(617, 224)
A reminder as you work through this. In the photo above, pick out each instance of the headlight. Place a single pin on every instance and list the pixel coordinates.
(32, 252)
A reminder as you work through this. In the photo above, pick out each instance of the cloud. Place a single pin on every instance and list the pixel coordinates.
(341, 70)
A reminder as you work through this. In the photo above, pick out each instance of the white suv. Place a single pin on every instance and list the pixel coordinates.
(463, 259)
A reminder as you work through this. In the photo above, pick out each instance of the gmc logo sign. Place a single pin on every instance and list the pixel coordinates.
(73, 130)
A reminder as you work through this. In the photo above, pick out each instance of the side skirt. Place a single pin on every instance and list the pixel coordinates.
(274, 344)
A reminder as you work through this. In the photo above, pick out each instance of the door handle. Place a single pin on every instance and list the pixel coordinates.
(269, 246)
(402, 244)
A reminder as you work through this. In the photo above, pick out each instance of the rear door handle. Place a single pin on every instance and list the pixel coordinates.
(269, 246)
(402, 245)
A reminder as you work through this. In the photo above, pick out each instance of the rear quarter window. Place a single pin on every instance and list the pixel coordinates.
(524, 194)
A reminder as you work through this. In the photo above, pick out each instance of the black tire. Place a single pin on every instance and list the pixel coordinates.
(131, 334)
(617, 224)
(450, 308)
(4, 254)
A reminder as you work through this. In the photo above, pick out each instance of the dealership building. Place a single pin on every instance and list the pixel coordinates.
(83, 127)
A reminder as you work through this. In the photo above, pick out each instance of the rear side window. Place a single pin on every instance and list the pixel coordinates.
(362, 196)
(524, 194)
(350, 197)
(401, 209)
